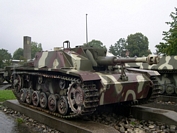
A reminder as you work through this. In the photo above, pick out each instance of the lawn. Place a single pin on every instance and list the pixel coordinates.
(6, 95)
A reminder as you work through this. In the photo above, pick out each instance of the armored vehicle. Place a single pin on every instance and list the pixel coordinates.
(5, 75)
(71, 82)
(1, 75)
(167, 67)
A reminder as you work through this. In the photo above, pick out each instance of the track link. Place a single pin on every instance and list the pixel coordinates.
(91, 98)
(153, 95)
(155, 90)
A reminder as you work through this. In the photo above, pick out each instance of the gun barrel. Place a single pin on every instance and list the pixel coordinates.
(129, 60)
(150, 59)
(106, 60)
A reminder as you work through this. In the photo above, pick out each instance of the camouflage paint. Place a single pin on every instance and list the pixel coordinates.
(113, 90)
(113, 83)
(167, 67)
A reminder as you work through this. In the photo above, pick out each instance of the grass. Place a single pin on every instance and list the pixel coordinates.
(133, 123)
(20, 120)
(6, 95)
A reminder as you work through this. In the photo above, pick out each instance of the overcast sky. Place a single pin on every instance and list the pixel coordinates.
(50, 22)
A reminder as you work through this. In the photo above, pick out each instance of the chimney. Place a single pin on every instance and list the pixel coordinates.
(27, 47)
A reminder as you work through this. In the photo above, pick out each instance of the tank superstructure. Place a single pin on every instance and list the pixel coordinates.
(70, 82)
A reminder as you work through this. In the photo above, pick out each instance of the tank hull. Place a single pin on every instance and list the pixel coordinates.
(102, 88)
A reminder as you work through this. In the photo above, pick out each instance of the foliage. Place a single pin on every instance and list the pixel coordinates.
(169, 46)
(133, 123)
(161, 48)
(35, 47)
(95, 43)
(20, 120)
(18, 54)
(137, 45)
(118, 48)
(6, 95)
(5, 58)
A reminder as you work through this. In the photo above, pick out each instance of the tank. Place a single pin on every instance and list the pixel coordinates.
(5, 75)
(167, 67)
(72, 82)
(1, 76)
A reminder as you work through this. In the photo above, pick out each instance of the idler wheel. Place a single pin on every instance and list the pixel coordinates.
(43, 100)
(35, 98)
(29, 96)
(23, 94)
(52, 102)
(63, 105)
(170, 89)
(17, 82)
(75, 97)
(162, 89)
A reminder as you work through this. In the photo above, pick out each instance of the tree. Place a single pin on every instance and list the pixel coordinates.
(35, 47)
(161, 48)
(5, 58)
(95, 43)
(169, 46)
(18, 54)
(137, 45)
(118, 48)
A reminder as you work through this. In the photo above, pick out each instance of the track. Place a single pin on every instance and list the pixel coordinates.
(155, 90)
(89, 90)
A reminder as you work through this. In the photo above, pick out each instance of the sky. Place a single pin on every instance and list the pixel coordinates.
(51, 22)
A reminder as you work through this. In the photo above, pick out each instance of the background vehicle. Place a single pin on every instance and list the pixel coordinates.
(5, 75)
(167, 67)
